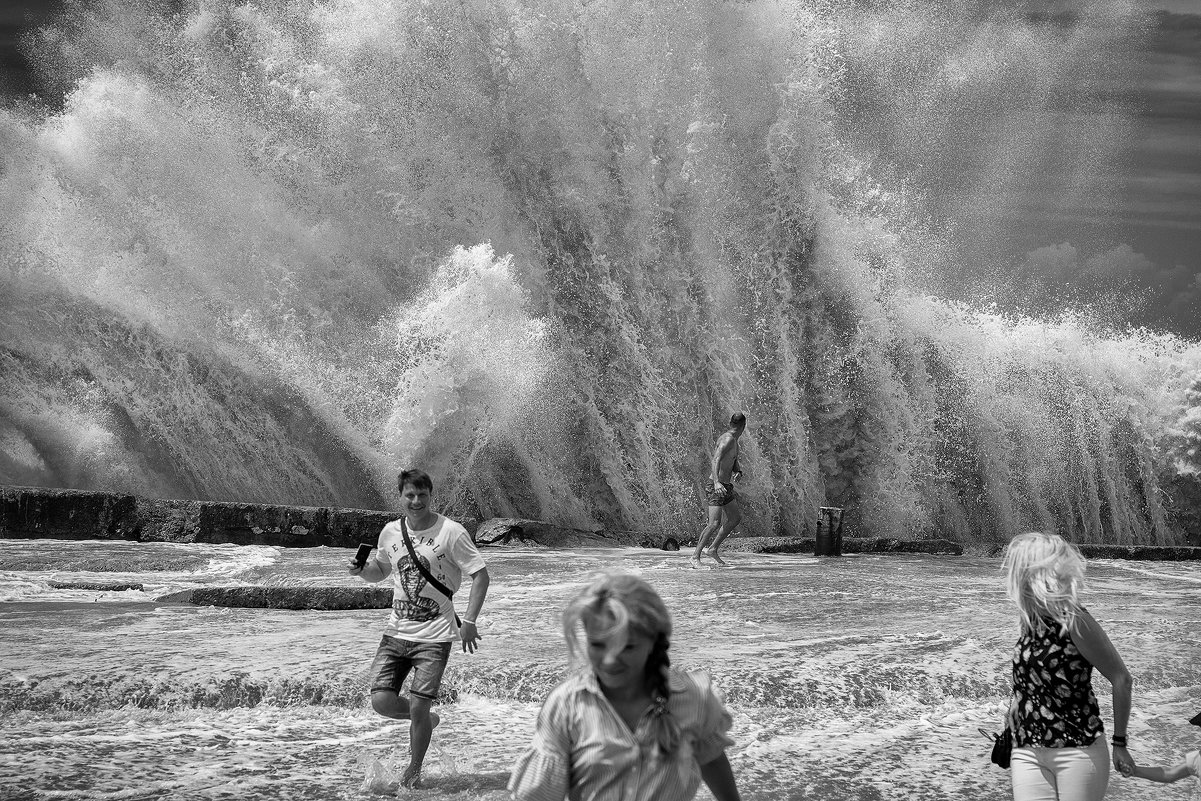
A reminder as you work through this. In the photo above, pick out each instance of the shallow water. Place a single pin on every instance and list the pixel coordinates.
(856, 678)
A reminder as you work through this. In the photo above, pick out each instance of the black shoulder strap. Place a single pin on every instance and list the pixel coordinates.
(437, 585)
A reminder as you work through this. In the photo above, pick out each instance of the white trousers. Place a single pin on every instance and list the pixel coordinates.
(1060, 774)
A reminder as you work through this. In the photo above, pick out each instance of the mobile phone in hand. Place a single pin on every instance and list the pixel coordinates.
(364, 552)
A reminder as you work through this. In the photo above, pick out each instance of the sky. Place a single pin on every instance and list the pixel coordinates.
(1149, 228)
(1144, 235)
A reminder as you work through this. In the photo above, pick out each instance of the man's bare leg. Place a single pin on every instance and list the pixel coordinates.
(421, 727)
(731, 516)
(713, 525)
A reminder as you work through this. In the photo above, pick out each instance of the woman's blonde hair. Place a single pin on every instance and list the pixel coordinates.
(1044, 574)
(613, 604)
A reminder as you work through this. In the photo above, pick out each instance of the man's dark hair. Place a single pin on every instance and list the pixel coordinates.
(737, 420)
(418, 478)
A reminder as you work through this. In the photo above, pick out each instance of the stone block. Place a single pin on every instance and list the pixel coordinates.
(99, 586)
(259, 597)
(38, 512)
(1150, 553)
(514, 531)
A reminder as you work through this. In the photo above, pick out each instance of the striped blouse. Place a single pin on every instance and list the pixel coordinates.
(584, 751)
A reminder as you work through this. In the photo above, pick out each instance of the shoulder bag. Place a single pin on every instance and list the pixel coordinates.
(1002, 746)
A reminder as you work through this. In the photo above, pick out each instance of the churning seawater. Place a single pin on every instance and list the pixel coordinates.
(863, 677)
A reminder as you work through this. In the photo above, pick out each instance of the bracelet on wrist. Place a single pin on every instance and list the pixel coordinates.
(472, 622)
(1118, 740)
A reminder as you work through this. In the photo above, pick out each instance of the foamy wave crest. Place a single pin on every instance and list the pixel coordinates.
(241, 559)
(115, 690)
(864, 686)
(853, 687)
(527, 683)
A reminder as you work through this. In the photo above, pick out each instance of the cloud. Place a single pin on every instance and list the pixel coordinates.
(1120, 284)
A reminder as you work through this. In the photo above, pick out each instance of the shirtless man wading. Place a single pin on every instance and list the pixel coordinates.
(724, 509)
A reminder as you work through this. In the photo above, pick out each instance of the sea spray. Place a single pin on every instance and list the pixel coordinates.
(471, 355)
(223, 248)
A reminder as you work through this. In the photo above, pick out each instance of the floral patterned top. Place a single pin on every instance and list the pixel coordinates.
(1053, 691)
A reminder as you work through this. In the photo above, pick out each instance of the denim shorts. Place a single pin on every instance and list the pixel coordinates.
(396, 658)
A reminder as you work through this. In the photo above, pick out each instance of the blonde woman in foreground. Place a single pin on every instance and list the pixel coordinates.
(625, 726)
(1059, 751)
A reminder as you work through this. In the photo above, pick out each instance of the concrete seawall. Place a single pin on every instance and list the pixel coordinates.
(39, 512)
(36, 512)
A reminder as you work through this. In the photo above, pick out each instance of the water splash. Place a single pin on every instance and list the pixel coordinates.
(474, 359)
(275, 252)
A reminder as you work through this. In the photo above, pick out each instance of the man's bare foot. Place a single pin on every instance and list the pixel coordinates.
(695, 563)
(712, 554)
(411, 778)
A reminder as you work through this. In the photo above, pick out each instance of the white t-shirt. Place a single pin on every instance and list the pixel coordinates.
(419, 612)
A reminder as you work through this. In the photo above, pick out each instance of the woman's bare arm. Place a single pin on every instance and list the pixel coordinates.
(1094, 645)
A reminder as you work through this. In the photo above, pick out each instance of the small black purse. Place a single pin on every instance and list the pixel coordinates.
(1002, 746)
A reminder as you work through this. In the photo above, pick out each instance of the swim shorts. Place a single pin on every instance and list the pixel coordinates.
(396, 658)
(714, 498)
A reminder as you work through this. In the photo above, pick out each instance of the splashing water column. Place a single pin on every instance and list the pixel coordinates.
(275, 252)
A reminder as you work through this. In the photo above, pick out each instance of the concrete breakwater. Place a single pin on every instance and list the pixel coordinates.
(39, 512)
(30, 512)
(36, 512)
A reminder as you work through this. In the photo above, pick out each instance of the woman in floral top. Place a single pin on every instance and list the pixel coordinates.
(1059, 751)
(625, 726)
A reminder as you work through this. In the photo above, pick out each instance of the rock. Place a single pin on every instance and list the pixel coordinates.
(770, 544)
(1151, 553)
(511, 531)
(165, 520)
(849, 545)
(34, 512)
(891, 545)
(258, 597)
(644, 539)
(516, 531)
(93, 564)
(101, 586)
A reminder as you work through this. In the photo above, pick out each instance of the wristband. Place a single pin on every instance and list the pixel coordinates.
(472, 622)
(1118, 740)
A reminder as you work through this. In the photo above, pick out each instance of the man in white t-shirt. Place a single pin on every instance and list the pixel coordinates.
(422, 625)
